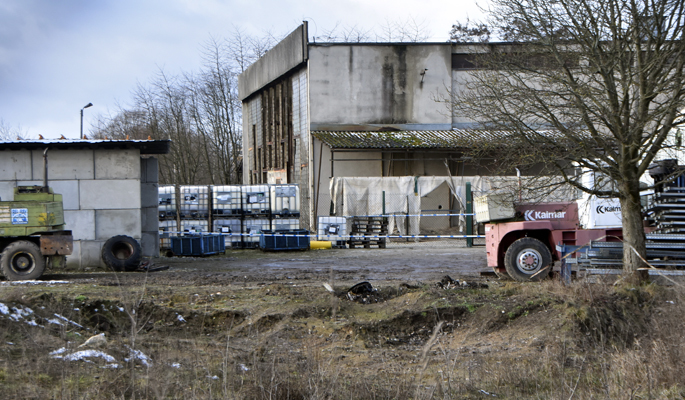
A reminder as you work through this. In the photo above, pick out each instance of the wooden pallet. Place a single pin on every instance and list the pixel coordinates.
(366, 243)
(372, 226)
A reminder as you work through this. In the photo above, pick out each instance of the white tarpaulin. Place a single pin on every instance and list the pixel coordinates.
(364, 196)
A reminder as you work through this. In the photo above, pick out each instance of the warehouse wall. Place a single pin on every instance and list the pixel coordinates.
(105, 192)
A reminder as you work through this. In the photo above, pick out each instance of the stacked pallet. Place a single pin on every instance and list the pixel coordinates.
(366, 231)
(668, 209)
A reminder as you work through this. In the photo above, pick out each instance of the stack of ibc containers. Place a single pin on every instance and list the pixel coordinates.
(333, 229)
(240, 212)
(257, 213)
(167, 216)
(285, 207)
(194, 209)
(227, 214)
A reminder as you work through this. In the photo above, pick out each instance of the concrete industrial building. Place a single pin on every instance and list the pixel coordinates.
(315, 111)
(109, 188)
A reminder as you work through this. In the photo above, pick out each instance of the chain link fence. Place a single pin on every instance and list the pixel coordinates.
(436, 220)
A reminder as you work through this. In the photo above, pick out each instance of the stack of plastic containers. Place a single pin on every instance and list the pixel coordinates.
(256, 213)
(240, 212)
(231, 228)
(332, 229)
(252, 229)
(285, 201)
(167, 202)
(227, 213)
(255, 200)
(194, 202)
(227, 201)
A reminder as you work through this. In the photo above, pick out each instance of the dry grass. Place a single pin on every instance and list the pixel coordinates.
(277, 341)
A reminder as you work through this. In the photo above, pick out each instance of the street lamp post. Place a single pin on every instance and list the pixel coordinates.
(84, 107)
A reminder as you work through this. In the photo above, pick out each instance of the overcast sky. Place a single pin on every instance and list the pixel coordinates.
(56, 56)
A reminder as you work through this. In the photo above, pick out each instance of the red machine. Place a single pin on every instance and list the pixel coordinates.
(525, 244)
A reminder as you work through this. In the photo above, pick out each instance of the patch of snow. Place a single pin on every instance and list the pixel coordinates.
(20, 312)
(58, 351)
(12, 283)
(140, 356)
(83, 355)
(180, 318)
(176, 365)
(68, 321)
(4, 309)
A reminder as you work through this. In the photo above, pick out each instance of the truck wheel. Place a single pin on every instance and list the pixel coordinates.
(22, 260)
(525, 258)
(121, 253)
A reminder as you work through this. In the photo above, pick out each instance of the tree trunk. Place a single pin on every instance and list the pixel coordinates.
(634, 250)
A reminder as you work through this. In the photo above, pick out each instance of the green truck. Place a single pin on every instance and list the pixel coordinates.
(32, 234)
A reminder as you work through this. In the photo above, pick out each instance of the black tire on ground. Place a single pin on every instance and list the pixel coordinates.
(526, 258)
(121, 253)
(22, 260)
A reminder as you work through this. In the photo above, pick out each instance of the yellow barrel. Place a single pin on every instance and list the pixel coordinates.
(319, 244)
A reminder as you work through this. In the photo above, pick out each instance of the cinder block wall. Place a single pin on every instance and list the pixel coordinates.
(105, 192)
(149, 203)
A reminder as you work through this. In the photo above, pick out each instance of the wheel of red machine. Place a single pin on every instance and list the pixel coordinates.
(121, 253)
(22, 260)
(527, 257)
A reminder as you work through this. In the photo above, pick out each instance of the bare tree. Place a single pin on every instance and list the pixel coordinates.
(9, 133)
(216, 111)
(130, 124)
(348, 34)
(465, 33)
(199, 111)
(595, 82)
(6, 131)
(408, 30)
(241, 50)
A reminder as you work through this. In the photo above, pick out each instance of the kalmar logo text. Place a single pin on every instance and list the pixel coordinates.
(607, 209)
(532, 215)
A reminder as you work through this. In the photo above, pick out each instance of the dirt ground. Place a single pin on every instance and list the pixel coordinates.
(420, 262)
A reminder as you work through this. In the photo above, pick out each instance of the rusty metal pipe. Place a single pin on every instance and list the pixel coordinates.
(45, 172)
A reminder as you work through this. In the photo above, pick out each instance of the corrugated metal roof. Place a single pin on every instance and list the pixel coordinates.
(145, 146)
(457, 138)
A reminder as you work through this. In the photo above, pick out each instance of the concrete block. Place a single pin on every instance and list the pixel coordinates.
(149, 170)
(81, 223)
(15, 165)
(117, 164)
(64, 164)
(69, 191)
(149, 195)
(90, 254)
(110, 194)
(149, 243)
(74, 260)
(149, 217)
(110, 223)
(7, 190)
